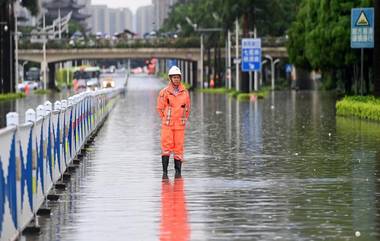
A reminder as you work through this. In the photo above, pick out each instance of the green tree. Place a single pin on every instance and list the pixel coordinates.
(32, 5)
(319, 38)
(271, 17)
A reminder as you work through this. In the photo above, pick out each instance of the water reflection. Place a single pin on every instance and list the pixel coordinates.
(174, 218)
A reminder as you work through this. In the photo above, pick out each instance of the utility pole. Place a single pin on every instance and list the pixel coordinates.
(229, 77)
(256, 77)
(376, 55)
(237, 82)
(16, 48)
(59, 24)
(44, 64)
(201, 61)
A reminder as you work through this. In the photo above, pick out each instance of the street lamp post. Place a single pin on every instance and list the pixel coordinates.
(229, 77)
(202, 31)
(262, 72)
(50, 31)
(237, 55)
(16, 49)
(273, 63)
(201, 61)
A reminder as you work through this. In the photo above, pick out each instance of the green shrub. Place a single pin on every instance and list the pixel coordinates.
(261, 94)
(11, 96)
(366, 107)
(187, 86)
(213, 90)
(41, 92)
(61, 77)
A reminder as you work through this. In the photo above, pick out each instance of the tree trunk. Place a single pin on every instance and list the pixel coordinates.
(376, 55)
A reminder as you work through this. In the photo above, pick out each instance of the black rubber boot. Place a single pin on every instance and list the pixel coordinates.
(165, 163)
(177, 167)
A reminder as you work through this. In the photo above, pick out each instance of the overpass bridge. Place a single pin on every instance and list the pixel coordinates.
(189, 59)
(188, 54)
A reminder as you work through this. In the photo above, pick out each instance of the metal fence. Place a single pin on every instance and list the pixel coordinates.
(34, 155)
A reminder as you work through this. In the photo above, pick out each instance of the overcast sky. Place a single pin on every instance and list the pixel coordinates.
(131, 4)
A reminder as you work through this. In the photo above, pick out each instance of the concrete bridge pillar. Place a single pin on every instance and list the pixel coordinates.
(199, 74)
(51, 76)
(187, 72)
(163, 65)
(183, 67)
(191, 80)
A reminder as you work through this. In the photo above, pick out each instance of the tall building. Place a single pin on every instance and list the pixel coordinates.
(109, 20)
(161, 11)
(124, 19)
(144, 20)
(99, 20)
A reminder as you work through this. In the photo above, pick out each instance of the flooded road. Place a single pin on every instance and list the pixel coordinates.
(283, 168)
(30, 101)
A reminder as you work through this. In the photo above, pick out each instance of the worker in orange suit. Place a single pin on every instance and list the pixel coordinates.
(173, 106)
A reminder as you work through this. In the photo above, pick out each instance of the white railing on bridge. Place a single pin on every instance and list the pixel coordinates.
(34, 155)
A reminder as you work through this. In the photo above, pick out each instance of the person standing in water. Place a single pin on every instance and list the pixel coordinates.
(173, 106)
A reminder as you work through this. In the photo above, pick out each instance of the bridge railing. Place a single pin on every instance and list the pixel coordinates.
(35, 155)
(191, 42)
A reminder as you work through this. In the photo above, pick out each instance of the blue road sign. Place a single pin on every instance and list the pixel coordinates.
(170, 63)
(362, 28)
(251, 54)
(288, 68)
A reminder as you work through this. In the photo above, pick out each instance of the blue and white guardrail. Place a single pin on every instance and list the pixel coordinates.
(34, 155)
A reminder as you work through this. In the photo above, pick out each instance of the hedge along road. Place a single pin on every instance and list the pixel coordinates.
(283, 168)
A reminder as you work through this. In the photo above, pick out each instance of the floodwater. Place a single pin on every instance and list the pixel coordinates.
(30, 101)
(283, 168)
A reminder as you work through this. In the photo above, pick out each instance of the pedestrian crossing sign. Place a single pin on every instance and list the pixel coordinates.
(362, 28)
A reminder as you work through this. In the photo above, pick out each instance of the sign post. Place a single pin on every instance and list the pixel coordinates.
(362, 34)
(251, 56)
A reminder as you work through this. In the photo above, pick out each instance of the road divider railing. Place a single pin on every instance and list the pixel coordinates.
(35, 155)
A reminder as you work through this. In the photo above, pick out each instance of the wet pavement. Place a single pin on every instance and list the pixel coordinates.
(283, 168)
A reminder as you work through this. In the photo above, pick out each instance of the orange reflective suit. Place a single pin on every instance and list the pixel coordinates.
(173, 106)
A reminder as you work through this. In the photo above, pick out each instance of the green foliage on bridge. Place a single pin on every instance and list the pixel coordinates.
(319, 39)
(366, 107)
(190, 42)
(182, 42)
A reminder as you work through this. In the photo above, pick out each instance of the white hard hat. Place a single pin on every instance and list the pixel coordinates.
(174, 70)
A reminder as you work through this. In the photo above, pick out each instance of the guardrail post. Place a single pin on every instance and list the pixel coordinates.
(30, 115)
(40, 111)
(57, 105)
(48, 107)
(12, 119)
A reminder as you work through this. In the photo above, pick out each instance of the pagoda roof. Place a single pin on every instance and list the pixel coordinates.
(62, 4)
(79, 16)
(76, 15)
